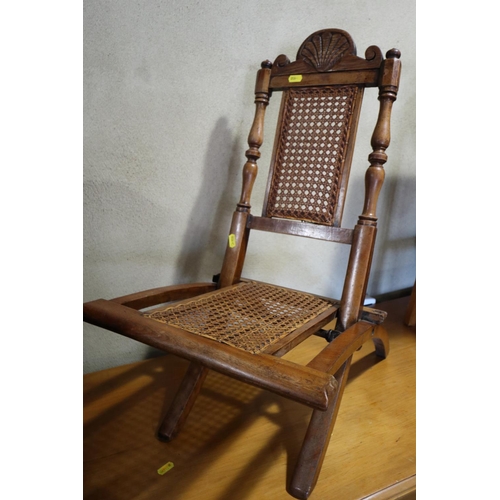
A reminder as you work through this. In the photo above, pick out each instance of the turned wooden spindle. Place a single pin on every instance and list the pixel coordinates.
(360, 259)
(238, 235)
(381, 138)
(256, 136)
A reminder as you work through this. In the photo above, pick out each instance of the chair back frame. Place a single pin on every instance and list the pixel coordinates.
(326, 69)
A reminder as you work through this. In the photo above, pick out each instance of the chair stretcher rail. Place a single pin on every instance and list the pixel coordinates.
(332, 357)
(299, 228)
(299, 383)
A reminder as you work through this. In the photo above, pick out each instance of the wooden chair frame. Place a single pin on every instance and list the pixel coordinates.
(326, 59)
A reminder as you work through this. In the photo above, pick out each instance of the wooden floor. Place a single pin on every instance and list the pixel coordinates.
(241, 442)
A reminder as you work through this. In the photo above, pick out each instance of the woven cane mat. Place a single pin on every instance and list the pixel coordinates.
(310, 154)
(250, 316)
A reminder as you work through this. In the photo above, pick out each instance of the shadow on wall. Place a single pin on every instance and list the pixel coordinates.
(204, 241)
(393, 264)
(123, 252)
(126, 235)
(119, 224)
(394, 260)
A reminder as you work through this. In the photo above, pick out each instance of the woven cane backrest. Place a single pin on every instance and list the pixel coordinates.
(311, 161)
(322, 94)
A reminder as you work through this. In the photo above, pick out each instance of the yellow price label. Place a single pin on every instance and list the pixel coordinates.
(165, 468)
(232, 240)
(295, 78)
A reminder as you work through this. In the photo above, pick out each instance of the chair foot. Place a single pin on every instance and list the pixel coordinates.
(381, 341)
(316, 442)
(183, 402)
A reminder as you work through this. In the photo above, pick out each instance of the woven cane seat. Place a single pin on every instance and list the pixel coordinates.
(249, 316)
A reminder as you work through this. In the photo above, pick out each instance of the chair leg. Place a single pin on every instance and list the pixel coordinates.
(183, 401)
(316, 441)
(381, 341)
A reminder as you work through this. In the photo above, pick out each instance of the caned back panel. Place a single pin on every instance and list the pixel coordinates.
(312, 153)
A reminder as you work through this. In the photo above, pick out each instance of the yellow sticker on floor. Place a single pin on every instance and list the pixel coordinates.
(165, 468)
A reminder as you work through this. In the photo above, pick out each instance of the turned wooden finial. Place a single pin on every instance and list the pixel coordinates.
(393, 54)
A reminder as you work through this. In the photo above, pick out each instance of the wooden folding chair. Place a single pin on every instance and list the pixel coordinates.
(240, 327)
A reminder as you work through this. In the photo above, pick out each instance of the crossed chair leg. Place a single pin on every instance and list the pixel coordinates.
(320, 427)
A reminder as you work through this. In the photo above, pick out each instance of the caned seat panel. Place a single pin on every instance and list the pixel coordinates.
(249, 316)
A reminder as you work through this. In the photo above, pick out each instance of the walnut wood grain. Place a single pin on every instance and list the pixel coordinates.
(326, 51)
(381, 138)
(154, 296)
(353, 293)
(235, 254)
(300, 228)
(183, 402)
(299, 383)
(333, 356)
(367, 78)
(316, 441)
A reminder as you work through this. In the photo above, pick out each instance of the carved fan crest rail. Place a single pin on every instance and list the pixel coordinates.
(240, 327)
(330, 51)
(324, 49)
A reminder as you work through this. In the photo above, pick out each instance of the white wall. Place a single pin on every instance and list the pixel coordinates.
(168, 103)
